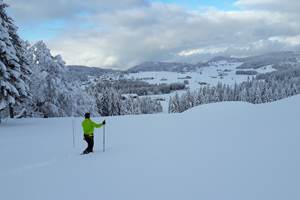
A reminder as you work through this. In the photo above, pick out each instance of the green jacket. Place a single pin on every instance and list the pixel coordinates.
(88, 127)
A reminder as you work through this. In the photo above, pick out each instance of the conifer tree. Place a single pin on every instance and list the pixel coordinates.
(14, 68)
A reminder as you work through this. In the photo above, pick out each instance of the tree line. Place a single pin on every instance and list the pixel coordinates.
(255, 91)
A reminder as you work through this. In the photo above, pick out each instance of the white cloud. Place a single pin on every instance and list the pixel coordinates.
(136, 31)
(208, 50)
(290, 41)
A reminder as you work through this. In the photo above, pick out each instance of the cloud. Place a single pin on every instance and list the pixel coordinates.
(292, 41)
(274, 5)
(208, 50)
(136, 31)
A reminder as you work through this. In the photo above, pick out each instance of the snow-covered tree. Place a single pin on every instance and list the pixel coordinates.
(49, 89)
(14, 68)
(53, 95)
(149, 106)
(131, 106)
(174, 104)
(109, 102)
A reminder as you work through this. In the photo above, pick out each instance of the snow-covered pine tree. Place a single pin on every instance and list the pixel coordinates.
(244, 95)
(131, 106)
(105, 102)
(14, 69)
(175, 104)
(21, 52)
(149, 106)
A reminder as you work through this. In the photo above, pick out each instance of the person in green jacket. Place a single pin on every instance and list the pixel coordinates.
(88, 130)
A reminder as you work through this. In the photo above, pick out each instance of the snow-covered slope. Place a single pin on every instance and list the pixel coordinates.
(226, 151)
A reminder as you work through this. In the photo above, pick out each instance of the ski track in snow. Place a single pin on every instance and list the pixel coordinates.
(28, 168)
(36, 165)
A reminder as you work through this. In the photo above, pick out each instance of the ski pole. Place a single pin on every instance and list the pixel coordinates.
(104, 138)
(73, 132)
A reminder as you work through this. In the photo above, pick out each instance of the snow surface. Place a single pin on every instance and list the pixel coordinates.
(209, 75)
(224, 151)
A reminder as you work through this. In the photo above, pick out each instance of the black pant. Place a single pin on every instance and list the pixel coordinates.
(90, 142)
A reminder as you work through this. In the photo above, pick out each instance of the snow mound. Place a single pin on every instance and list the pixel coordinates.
(228, 151)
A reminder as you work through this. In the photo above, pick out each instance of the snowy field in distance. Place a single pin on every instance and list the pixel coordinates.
(224, 151)
(209, 75)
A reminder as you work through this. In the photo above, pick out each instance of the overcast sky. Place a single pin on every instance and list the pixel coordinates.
(121, 33)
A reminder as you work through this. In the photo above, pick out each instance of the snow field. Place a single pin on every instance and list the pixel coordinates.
(228, 151)
(209, 75)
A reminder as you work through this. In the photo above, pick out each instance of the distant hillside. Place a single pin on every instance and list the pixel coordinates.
(162, 66)
(279, 60)
(224, 58)
(80, 72)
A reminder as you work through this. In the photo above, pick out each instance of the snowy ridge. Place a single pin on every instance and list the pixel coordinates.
(252, 62)
(228, 151)
(280, 104)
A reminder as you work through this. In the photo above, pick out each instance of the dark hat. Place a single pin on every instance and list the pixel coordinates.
(87, 115)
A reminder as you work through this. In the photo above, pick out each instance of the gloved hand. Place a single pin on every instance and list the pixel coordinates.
(103, 123)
